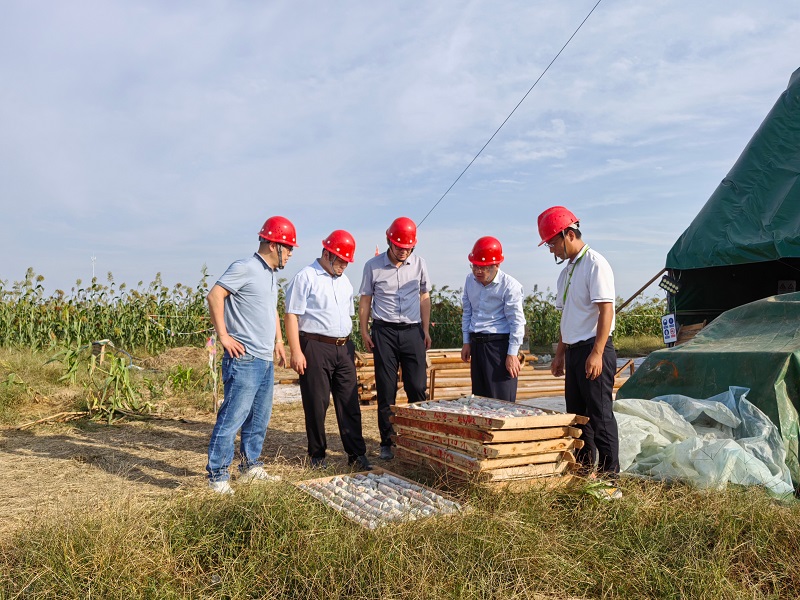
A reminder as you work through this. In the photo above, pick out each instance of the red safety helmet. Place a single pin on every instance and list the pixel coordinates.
(487, 251)
(279, 230)
(402, 233)
(553, 221)
(341, 244)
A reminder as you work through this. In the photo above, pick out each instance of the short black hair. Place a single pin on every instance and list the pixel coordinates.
(574, 228)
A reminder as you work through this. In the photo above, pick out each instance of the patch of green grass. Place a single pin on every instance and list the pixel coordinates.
(276, 542)
(638, 345)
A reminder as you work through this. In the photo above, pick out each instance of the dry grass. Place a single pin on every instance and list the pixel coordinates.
(122, 511)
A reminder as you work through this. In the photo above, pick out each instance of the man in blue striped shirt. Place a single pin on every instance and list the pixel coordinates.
(493, 323)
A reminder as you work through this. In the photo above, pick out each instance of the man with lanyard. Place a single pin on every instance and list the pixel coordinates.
(585, 353)
(243, 310)
(394, 290)
(492, 322)
(319, 311)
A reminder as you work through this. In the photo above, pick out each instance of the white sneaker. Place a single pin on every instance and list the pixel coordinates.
(221, 487)
(257, 474)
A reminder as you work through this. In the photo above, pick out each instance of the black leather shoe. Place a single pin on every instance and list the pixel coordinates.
(318, 463)
(360, 461)
(386, 453)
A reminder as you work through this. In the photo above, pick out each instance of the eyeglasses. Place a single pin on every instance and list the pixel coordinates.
(552, 242)
(480, 267)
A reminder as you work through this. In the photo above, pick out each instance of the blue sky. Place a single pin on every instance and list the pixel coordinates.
(158, 136)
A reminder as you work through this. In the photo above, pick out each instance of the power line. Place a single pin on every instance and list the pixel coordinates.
(511, 113)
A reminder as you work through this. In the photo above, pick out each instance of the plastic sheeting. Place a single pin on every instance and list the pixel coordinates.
(709, 443)
(756, 346)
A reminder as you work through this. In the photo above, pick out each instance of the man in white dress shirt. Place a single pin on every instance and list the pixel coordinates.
(319, 319)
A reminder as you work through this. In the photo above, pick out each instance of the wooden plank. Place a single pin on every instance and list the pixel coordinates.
(472, 433)
(552, 419)
(481, 449)
(511, 473)
(442, 428)
(449, 455)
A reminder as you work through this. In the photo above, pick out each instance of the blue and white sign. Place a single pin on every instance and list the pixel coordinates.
(670, 329)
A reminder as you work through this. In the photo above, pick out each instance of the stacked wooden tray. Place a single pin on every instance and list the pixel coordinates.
(487, 440)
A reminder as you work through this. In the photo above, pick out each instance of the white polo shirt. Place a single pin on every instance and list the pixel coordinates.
(582, 284)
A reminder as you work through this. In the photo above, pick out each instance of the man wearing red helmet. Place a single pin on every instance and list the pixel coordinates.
(492, 322)
(395, 291)
(319, 311)
(243, 308)
(585, 353)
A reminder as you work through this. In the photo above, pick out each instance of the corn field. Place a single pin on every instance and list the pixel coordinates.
(154, 317)
(149, 318)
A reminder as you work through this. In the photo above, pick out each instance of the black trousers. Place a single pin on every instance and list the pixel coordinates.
(331, 370)
(488, 372)
(592, 398)
(397, 346)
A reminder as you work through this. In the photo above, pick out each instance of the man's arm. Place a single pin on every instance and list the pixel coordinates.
(515, 315)
(557, 366)
(364, 309)
(594, 364)
(466, 319)
(425, 313)
(298, 359)
(216, 310)
(280, 351)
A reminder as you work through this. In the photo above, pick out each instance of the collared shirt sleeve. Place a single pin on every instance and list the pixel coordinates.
(423, 277)
(466, 311)
(601, 281)
(513, 310)
(297, 294)
(366, 281)
(235, 276)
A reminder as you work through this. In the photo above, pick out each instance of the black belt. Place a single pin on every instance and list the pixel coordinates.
(325, 338)
(480, 338)
(390, 325)
(588, 342)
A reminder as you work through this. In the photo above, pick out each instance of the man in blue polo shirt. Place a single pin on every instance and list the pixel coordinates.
(493, 323)
(319, 312)
(395, 291)
(243, 310)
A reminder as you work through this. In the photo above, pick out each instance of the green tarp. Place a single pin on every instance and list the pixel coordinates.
(744, 244)
(756, 346)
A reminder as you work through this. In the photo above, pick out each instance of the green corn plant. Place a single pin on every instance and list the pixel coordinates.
(111, 392)
(70, 358)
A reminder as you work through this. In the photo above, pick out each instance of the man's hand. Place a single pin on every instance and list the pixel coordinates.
(427, 341)
(234, 348)
(280, 354)
(298, 363)
(368, 343)
(466, 352)
(594, 365)
(512, 365)
(557, 366)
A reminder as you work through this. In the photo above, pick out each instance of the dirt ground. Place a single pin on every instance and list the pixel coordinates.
(52, 466)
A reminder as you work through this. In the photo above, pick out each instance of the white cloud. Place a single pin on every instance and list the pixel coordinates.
(159, 136)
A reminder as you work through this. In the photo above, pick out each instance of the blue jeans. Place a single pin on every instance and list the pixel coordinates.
(248, 384)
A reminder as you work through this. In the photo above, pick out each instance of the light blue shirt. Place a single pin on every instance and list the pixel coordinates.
(494, 308)
(395, 290)
(323, 303)
(251, 306)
